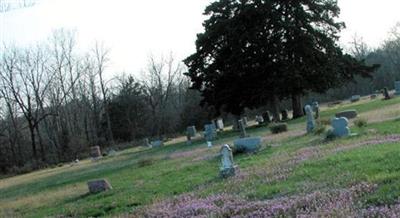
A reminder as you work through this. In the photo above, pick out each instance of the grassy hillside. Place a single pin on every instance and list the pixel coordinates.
(293, 174)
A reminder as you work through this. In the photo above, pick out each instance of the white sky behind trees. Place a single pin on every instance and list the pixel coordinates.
(134, 29)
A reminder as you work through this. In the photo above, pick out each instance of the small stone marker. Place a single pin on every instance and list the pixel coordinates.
(310, 118)
(259, 119)
(285, 115)
(315, 107)
(267, 117)
(397, 87)
(247, 145)
(220, 124)
(355, 98)
(242, 128)
(190, 133)
(340, 127)
(95, 152)
(349, 114)
(373, 96)
(386, 94)
(227, 166)
(97, 186)
(157, 144)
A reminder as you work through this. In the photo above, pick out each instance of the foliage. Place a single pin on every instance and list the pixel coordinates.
(277, 128)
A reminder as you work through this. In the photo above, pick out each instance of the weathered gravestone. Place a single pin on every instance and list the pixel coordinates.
(245, 121)
(340, 127)
(397, 87)
(220, 124)
(242, 128)
(355, 98)
(190, 133)
(247, 145)
(259, 120)
(97, 186)
(310, 118)
(285, 114)
(210, 133)
(228, 168)
(267, 117)
(95, 152)
(157, 143)
(386, 94)
(315, 107)
(349, 114)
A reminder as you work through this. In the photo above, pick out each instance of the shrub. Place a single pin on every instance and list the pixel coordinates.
(320, 129)
(278, 128)
(324, 122)
(145, 162)
(360, 123)
(329, 135)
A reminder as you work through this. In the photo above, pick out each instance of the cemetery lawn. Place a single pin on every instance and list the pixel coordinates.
(289, 165)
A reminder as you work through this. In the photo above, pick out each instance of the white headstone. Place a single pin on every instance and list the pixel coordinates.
(310, 118)
(340, 127)
(227, 168)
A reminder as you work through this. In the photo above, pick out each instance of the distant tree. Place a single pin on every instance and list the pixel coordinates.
(253, 52)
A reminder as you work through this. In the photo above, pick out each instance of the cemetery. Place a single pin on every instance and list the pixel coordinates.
(199, 108)
(293, 162)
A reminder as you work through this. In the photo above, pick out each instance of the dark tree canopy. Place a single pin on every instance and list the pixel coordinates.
(255, 50)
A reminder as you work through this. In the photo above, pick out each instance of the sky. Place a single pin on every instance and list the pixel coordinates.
(135, 29)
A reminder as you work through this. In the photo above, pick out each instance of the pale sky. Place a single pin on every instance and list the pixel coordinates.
(134, 29)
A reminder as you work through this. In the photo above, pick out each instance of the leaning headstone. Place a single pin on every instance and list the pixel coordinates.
(340, 127)
(220, 124)
(190, 133)
(349, 114)
(227, 168)
(95, 152)
(242, 128)
(397, 87)
(386, 94)
(247, 145)
(97, 186)
(285, 115)
(259, 119)
(310, 118)
(157, 144)
(315, 107)
(355, 98)
(210, 132)
(267, 117)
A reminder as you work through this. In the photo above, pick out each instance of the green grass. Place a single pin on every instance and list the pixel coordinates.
(141, 176)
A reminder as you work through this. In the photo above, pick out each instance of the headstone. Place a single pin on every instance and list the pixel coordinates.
(146, 143)
(397, 87)
(220, 124)
(285, 115)
(190, 133)
(259, 119)
(157, 144)
(95, 152)
(242, 128)
(340, 127)
(374, 96)
(97, 186)
(349, 114)
(386, 94)
(247, 145)
(355, 98)
(315, 107)
(267, 117)
(227, 168)
(310, 118)
(210, 132)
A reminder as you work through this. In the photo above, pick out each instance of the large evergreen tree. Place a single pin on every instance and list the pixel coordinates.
(258, 51)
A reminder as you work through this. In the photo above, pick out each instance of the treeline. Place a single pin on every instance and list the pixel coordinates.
(56, 102)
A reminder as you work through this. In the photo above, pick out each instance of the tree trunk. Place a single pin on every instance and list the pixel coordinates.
(297, 106)
(33, 141)
(275, 109)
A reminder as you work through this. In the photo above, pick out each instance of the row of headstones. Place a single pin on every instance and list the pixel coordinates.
(385, 92)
